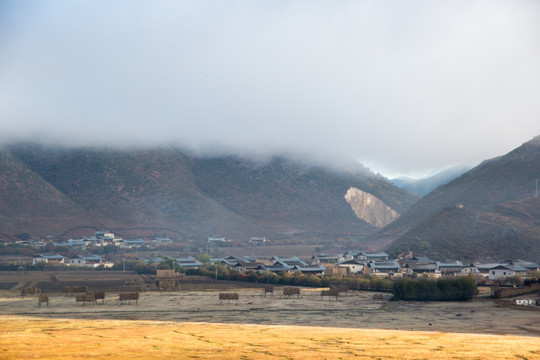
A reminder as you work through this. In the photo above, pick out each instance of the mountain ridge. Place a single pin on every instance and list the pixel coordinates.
(169, 190)
(427, 184)
(493, 183)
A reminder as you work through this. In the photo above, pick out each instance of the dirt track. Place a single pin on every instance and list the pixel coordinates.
(355, 310)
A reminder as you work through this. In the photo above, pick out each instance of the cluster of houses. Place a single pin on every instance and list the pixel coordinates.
(380, 264)
(91, 261)
(99, 239)
(105, 238)
(251, 241)
(350, 262)
(248, 263)
(373, 263)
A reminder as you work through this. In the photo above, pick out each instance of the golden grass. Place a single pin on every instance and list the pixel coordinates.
(38, 338)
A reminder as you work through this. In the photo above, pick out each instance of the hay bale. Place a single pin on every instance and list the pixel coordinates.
(43, 298)
(229, 297)
(330, 293)
(290, 291)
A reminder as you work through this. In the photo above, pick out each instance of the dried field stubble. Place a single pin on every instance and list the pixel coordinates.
(26, 337)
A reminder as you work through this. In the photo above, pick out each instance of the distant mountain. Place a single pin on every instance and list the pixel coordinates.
(490, 211)
(426, 185)
(66, 191)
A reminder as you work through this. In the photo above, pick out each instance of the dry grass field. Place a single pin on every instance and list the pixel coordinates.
(37, 338)
(193, 324)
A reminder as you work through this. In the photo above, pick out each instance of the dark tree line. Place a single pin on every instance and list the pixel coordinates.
(358, 282)
(447, 289)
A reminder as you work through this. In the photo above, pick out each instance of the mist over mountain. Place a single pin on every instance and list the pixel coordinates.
(426, 185)
(147, 191)
(488, 211)
(401, 86)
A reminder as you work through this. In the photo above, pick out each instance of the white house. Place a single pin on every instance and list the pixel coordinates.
(57, 259)
(504, 271)
(349, 255)
(354, 266)
(87, 261)
(525, 302)
(257, 240)
(216, 239)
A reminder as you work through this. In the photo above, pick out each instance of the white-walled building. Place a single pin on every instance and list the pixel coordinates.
(57, 259)
(354, 266)
(504, 271)
(87, 261)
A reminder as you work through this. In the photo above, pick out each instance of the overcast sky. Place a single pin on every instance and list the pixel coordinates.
(403, 86)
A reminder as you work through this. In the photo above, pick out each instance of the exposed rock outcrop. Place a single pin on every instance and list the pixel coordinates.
(370, 208)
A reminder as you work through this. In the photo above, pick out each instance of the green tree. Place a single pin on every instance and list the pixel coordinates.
(168, 264)
(516, 280)
(204, 258)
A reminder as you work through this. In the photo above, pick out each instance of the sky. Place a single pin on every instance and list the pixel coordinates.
(404, 87)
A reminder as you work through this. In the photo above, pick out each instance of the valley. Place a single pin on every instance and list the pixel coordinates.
(192, 323)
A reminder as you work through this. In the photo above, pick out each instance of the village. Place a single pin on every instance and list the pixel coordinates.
(142, 279)
(375, 264)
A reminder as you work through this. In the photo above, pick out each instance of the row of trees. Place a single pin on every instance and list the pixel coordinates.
(451, 289)
(447, 289)
(222, 272)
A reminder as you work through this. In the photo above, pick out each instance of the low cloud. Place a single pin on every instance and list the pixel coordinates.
(402, 86)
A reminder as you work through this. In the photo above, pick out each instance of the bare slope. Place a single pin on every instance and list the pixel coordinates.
(498, 181)
(509, 231)
(299, 199)
(144, 190)
(166, 190)
(27, 201)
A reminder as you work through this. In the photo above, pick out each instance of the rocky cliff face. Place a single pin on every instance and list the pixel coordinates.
(370, 208)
